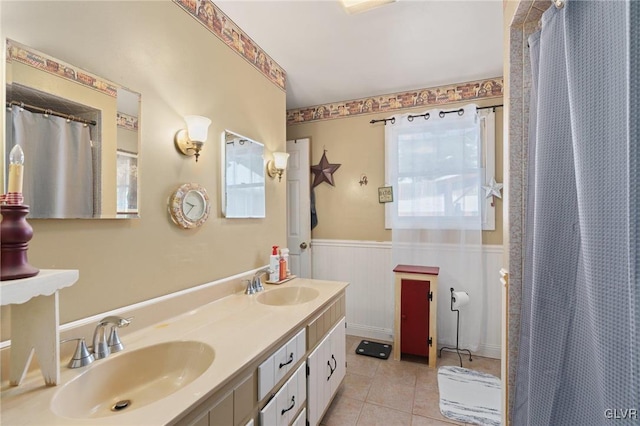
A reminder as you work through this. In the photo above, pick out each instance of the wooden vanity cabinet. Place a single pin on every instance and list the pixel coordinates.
(232, 406)
(281, 380)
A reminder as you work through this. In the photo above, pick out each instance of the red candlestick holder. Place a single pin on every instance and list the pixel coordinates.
(15, 233)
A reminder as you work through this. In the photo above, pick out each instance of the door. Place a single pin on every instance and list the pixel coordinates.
(299, 208)
(414, 314)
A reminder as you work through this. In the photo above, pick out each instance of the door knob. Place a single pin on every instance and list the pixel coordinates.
(303, 245)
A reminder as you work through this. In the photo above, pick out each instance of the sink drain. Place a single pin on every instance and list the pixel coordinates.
(121, 405)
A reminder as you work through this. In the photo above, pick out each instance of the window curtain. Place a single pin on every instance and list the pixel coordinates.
(578, 357)
(436, 215)
(58, 169)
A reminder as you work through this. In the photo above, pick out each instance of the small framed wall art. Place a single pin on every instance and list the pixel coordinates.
(385, 194)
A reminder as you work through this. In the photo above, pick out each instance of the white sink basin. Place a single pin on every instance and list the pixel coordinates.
(287, 296)
(131, 380)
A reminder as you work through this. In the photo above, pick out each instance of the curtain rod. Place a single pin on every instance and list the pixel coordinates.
(427, 115)
(33, 108)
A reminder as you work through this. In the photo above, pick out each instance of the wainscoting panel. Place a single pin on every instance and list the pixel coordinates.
(367, 266)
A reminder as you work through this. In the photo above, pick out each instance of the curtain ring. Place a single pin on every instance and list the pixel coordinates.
(393, 120)
(441, 114)
(559, 4)
(410, 118)
(69, 118)
(427, 116)
(460, 112)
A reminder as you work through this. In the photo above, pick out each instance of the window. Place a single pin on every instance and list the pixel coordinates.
(437, 167)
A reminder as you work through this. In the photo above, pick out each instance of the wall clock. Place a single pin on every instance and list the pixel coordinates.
(189, 206)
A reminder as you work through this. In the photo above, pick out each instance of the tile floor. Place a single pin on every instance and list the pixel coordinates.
(388, 392)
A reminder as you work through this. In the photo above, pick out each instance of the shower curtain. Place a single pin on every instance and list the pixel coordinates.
(58, 169)
(429, 173)
(578, 352)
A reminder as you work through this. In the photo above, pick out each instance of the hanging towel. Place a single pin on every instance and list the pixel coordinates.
(314, 214)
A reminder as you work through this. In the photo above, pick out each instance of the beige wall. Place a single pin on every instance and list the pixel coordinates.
(157, 49)
(350, 211)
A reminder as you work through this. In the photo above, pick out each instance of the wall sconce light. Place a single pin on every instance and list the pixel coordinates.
(189, 141)
(277, 165)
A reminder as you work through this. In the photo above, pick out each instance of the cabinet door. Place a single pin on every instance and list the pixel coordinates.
(244, 398)
(316, 382)
(337, 357)
(414, 317)
(222, 413)
(301, 419)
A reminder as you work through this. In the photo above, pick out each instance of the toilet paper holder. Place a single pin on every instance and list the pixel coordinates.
(457, 348)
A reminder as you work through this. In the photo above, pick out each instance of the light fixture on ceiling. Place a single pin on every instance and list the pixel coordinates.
(189, 141)
(277, 166)
(358, 6)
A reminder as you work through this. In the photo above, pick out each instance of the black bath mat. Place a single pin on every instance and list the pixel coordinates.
(374, 349)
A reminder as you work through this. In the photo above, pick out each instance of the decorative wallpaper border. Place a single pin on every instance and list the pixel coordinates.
(25, 55)
(127, 122)
(441, 95)
(218, 23)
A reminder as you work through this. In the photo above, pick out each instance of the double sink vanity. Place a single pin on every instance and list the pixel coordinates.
(272, 358)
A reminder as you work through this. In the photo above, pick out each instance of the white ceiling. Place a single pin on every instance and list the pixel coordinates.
(331, 56)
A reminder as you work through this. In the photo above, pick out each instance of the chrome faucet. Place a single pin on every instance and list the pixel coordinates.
(255, 285)
(102, 346)
(81, 357)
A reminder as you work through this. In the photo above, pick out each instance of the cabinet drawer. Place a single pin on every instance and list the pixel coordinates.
(271, 371)
(301, 420)
(287, 401)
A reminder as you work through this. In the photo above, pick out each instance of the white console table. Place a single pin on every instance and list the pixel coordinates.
(35, 322)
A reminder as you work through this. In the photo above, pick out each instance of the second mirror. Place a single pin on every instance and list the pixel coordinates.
(243, 177)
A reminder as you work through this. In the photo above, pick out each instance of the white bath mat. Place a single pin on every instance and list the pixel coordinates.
(469, 396)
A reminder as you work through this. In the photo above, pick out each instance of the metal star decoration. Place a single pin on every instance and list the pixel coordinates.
(493, 189)
(324, 171)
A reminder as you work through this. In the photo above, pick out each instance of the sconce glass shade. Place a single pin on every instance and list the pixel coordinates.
(197, 127)
(277, 166)
(280, 159)
(189, 142)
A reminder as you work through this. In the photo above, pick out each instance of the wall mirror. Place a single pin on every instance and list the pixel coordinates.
(243, 177)
(80, 137)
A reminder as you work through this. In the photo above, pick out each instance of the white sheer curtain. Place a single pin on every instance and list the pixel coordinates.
(434, 164)
(58, 169)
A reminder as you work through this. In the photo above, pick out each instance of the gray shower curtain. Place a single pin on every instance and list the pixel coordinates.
(58, 169)
(578, 352)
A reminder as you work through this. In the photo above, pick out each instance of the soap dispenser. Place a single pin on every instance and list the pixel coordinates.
(274, 265)
(282, 269)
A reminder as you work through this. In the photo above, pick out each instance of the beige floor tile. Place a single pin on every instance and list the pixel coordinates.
(363, 365)
(375, 415)
(395, 392)
(486, 365)
(427, 378)
(352, 343)
(391, 394)
(402, 372)
(356, 386)
(343, 411)
(426, 421)
(427, 404)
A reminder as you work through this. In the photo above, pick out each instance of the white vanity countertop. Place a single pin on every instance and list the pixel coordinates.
(237, 327)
